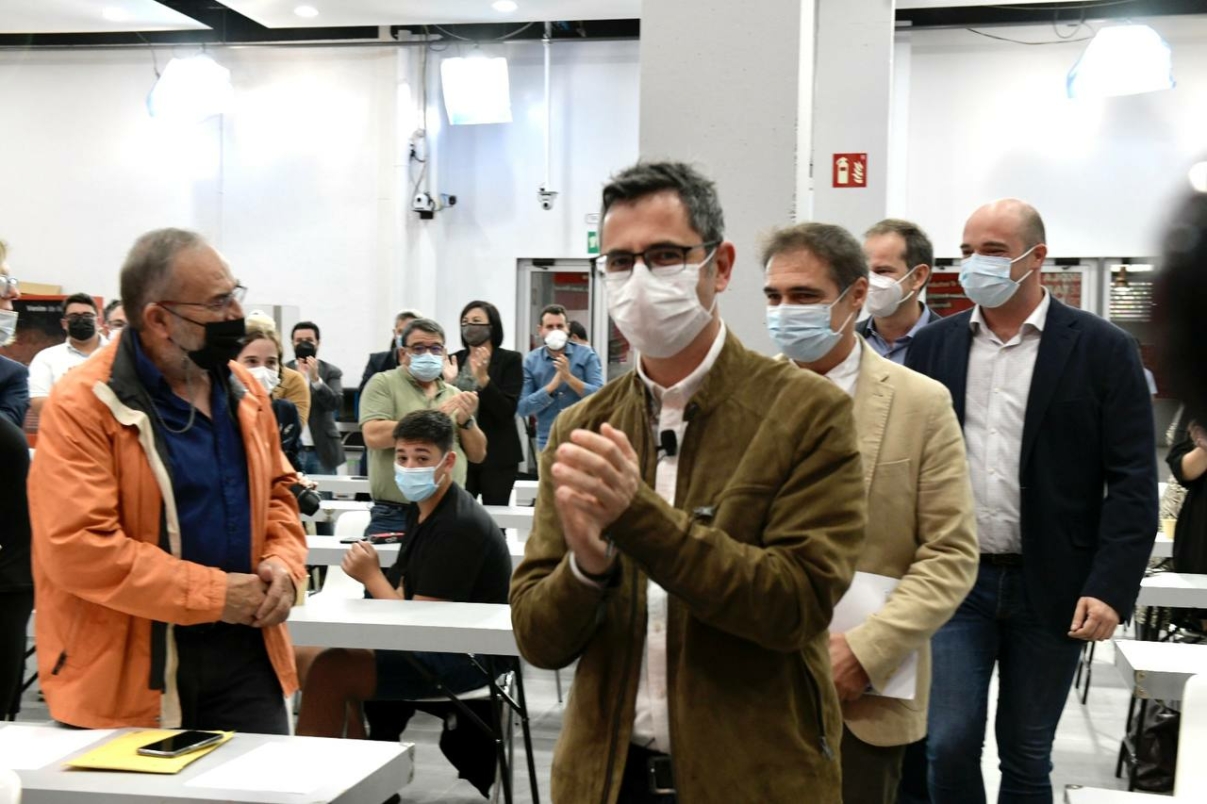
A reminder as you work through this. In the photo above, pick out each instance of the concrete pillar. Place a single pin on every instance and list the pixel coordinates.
(854, 90)
(730, 88)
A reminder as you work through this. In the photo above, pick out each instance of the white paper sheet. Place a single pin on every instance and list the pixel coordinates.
(35, 747)
(866, 596)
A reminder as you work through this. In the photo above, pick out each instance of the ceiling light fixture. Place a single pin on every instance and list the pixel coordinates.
(476, 90)
(190, 90)
(504, 6)
(307, 12)
(1122, 60)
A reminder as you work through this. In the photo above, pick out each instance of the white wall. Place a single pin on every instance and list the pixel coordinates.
(990, 119)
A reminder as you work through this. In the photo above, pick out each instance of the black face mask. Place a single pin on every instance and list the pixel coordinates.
(82, 329)
(475, 334)
(223, 341)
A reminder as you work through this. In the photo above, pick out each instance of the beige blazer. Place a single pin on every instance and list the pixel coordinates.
(921, 528)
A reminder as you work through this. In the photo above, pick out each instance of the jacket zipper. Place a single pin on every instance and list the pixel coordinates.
(822, 742)
(624, 689)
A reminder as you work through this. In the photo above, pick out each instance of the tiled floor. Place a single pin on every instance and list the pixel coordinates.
(1085, 750)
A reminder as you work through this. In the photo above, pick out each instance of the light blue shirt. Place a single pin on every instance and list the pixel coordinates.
(900, 347)
(538, 373)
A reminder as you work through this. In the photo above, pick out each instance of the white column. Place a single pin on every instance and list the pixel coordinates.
(854, 90)
(731, 91)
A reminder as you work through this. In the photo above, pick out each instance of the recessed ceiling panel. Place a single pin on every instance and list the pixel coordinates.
(91, 16)
(340, 13)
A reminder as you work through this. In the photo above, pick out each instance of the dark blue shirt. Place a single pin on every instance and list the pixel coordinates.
(209, 473)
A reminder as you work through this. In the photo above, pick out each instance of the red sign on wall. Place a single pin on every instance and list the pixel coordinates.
(850, 170)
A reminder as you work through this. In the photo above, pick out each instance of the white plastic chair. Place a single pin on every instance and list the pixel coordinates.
(10, 787)
(352, 523)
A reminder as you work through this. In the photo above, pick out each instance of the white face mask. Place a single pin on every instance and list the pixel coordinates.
(8, 326)
(267, 377)
(659, 315)
(885, 295)
(556, 339)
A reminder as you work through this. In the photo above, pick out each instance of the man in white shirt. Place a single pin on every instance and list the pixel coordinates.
(696, 522)
(1061, 449)
(921, 529)
(84, 338)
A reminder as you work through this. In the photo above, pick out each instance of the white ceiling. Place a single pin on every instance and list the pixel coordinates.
(91, 16)
(336, 13)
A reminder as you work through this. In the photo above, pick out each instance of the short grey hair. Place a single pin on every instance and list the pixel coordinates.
(422, 325)
(834, 244)
(698, 193)
(147, 272)
(408, 314)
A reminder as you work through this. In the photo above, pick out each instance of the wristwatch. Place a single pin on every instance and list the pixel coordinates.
(468, 423)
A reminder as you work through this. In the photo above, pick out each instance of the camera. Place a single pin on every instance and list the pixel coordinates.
(304, 350)
(424, 204)
(547, 197)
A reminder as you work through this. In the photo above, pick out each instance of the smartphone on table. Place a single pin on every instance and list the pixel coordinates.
(186, 742)
(394, 537)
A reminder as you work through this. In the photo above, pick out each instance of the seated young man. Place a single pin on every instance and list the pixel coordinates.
(452, 551)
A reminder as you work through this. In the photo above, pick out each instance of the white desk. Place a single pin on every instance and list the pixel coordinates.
(505, 516)
(341, 484)
(525, 491)
(440, 627)
(353, 772)
(1173, 590)
(1098, 795)
(1162, 547)
(1158, 670)
(327, 551)
(332, 510)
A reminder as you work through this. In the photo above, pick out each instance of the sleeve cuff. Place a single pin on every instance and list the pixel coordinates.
(578, 573)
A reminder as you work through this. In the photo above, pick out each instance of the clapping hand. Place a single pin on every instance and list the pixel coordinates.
(361, 561)
(450, 367)
(310, 365)
(479, 362)
(596, 476)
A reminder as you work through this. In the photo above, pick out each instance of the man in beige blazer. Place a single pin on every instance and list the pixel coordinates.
(921, 523)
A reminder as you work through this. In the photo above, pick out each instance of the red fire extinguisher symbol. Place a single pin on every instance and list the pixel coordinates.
(850, 170)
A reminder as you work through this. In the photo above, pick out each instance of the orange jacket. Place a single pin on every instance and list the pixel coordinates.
(101, 506)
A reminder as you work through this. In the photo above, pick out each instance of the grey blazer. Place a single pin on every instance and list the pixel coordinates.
(325, 402)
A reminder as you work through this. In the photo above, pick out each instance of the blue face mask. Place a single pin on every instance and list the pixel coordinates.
(425, 368)
(986, 280)
(802, 331)
(419, 483)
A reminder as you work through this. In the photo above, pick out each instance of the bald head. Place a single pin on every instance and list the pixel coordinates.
(1009, 221)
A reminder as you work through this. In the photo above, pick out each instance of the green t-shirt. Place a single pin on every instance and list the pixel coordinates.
(389, 396)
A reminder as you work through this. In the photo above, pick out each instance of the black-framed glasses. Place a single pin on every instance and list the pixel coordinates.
(9, 286)
(664, 259)
(76, 317)
(420, 349)
(217, 305)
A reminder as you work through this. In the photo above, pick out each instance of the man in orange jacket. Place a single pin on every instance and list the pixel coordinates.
(167, 548)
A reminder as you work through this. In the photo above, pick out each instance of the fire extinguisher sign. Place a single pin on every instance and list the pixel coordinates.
(850, 170)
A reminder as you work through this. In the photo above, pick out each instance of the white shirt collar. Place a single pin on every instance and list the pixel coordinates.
(1036, 320)
(72, 350)
(691, 383)
(846, 373)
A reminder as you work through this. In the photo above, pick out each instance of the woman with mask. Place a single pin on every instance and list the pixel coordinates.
(262, 356)
(292, 386)
(497, 375)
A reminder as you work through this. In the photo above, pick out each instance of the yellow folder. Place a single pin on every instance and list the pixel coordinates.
(121, 754)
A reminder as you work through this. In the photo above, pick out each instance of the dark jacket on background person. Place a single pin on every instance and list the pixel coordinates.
(378, 362)
(497, 404)
(15, 574)
(14, 391)
(762, 544)
(326, 400)
(1190, 536)
(1088, 427)
(289, 428)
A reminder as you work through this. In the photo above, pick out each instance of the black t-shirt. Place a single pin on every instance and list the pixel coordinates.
(15, 575)
(457, 554)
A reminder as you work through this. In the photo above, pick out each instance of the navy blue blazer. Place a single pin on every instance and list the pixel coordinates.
(1088, 473)
(14, 391)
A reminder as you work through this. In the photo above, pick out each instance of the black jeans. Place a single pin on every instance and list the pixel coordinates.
(226, 680)
(635, 784)
(14, 619)
(494, 483)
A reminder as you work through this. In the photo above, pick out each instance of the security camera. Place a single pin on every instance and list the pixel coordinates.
(424, 204)
(547, 197)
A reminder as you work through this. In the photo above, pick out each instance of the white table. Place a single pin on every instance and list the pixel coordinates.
(1158, 670)
(327, 551)
(525, 491)
(1173, 590)
(1075, 794)
(1162, 547)
(331, 510)
(341, 484)
(505, 516)
(415, 625)
(353, 772)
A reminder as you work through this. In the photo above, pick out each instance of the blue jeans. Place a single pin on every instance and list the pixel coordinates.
(997, 625)
(386, 517)
(310, 465)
